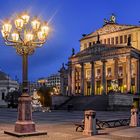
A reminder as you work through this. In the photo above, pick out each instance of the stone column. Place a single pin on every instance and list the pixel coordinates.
(138, 76)
(116, 68)
(82, 78)
(128, 69)
(69, 80)
(92, 78)
(104, 77)
(73, 80)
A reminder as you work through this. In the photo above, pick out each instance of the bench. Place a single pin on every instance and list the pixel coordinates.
(107, 123)
(114, 122)
(81, 125)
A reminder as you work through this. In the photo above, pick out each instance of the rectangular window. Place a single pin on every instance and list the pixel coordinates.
(90, 44)
(109, 71)
(98, 72)
(125, 38)
(116, 40)
(121, 39)
(108, 41)
(112, 40)
(104, 41)
(88, 74)
(3, 96)
(120, 70)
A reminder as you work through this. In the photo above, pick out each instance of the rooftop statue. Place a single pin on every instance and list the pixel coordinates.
(112, 19)
(73, 51)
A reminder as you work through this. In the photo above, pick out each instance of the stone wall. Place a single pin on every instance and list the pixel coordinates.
(58, 100)
(119, 101)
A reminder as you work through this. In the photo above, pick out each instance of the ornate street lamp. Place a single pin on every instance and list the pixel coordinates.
(25, 34)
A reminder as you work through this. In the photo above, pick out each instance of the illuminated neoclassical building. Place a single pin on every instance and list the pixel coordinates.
(111, 53)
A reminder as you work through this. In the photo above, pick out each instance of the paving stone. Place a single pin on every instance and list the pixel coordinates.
(59, 125)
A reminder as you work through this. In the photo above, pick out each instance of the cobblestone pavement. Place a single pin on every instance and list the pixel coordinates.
(58, 124)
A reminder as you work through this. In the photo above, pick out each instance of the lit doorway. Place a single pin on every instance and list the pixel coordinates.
(109, 87)
(88, 88)
(98, 88)
(133, 88)
(120, 85)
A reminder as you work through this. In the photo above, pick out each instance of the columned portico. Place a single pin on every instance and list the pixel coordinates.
(69, 80)
(92, 78)
(104, 77)
(116, 63)
(128, 65)
(82, 79)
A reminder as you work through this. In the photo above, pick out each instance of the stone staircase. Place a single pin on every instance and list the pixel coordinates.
(97, 102)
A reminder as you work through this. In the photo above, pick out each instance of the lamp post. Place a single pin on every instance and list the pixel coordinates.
(25, 34)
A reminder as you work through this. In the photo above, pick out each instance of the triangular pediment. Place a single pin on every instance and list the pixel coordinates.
(110, 28)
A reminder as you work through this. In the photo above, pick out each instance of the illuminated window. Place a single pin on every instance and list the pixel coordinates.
(109, 71)
(98, 72)
(120, 70)
(88, 74)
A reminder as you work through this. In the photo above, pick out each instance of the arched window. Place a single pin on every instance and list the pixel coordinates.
(3, 95)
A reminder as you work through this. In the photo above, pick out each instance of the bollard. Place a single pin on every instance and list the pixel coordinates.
(90, 123)
(134, 120)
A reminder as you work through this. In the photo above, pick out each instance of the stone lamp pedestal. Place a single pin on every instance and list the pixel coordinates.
(24, 125)
(24, 122)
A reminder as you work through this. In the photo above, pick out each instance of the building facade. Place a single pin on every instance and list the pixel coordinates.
(52, 81)
(6, 85)
(63, 80)
(111, 53)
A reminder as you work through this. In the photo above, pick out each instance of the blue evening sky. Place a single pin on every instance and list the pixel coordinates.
(71, 18)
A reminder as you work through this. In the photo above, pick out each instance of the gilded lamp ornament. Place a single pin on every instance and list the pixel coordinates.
(24, 33)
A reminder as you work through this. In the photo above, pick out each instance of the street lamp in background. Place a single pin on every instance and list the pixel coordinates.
(25, 34)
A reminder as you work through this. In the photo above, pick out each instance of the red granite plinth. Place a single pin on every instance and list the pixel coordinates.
(24, 125)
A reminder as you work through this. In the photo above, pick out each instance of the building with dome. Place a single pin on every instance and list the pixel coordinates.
(6, 85)
(111, 53)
